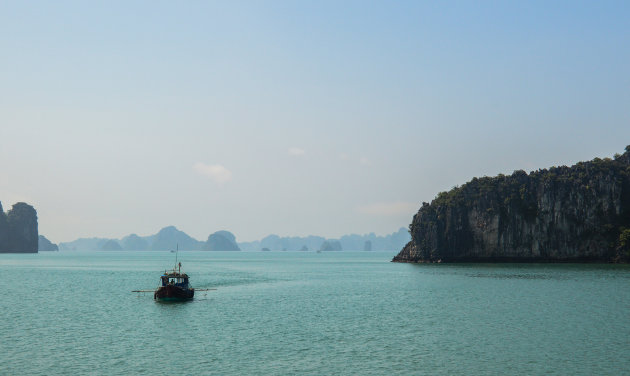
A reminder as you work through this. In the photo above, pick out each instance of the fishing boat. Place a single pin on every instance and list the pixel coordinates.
(174, 285)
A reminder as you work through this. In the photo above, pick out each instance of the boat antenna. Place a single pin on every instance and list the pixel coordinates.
(176, 252)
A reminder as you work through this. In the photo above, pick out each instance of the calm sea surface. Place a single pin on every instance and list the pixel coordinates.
(284, 313)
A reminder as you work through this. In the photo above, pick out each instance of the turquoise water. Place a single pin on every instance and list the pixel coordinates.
(283, 313)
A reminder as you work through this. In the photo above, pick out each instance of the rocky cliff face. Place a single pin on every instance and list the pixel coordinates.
(577, 213)
(22, 229)
(4, 231)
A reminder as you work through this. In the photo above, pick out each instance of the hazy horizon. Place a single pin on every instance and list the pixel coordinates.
(294, 118)
(203, 239)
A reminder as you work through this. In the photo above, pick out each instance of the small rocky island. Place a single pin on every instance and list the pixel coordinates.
(561, 214)
(45, 245)
(221, 241)
(18, 229)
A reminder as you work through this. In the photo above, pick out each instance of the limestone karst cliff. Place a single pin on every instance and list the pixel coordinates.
(18, 230)
(560, 214)
(4, 231)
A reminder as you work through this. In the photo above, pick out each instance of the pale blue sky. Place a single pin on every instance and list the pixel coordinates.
(294, 118)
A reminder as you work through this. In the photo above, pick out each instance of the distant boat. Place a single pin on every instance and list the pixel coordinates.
(174, 285)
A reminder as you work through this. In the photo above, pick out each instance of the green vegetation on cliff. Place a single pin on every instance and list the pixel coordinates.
(577, 213)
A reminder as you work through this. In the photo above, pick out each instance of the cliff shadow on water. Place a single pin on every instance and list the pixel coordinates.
(561, 214)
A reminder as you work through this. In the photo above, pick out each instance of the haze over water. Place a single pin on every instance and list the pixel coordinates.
(343, 313)
(275, 117)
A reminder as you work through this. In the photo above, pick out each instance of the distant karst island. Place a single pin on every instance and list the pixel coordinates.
(170, 238)
(561, 214)
(19, 234)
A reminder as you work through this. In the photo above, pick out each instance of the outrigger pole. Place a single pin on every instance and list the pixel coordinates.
(154, 290)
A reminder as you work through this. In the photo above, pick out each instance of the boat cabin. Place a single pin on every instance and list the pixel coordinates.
(175, 279)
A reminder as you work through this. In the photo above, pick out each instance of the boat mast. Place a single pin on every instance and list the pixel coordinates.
(176, 252)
